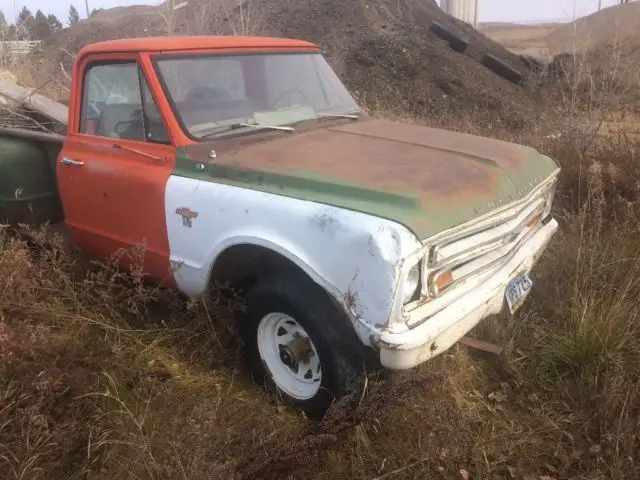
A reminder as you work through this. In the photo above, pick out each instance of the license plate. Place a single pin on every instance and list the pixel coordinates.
(517, 292)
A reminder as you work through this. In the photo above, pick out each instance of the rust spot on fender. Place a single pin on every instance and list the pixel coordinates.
(351, 302)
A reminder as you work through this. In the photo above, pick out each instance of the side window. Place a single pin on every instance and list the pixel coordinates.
(115, 106)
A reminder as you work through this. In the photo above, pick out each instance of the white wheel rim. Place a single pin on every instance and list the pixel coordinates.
(289, 355)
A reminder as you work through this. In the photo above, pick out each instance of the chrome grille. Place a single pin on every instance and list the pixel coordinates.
(486, 245)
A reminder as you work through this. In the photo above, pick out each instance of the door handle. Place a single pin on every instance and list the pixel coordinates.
(73, 163)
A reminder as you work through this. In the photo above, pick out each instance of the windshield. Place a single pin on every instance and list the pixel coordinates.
(219, 95)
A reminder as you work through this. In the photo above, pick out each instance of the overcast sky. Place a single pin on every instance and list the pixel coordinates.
(490, 10)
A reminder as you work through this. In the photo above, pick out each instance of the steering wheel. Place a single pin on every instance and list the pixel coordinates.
(206, 93)
(122, 126)
(289, 92)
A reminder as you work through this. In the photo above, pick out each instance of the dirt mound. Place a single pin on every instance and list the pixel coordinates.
(609, 26)
(382, 49)
(385, 53)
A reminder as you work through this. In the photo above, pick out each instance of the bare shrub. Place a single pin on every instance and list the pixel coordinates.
(245, 18)
(102, 372)
(594, 85)
(169, 11)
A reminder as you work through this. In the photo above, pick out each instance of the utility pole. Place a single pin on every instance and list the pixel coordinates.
(599, 5)
(86, 4)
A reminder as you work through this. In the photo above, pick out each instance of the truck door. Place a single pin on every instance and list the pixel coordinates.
(114, 167)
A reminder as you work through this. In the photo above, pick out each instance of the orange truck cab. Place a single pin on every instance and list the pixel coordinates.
(246, 159)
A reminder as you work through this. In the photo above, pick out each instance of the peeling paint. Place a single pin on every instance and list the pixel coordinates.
(427, 180)
(351, 302)
(327, 223)
(351, 226)
(344, 251)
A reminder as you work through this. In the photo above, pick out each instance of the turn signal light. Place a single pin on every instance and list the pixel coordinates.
(440, 281)
(534, 221)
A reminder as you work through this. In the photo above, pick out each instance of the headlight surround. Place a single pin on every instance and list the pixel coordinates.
(428, 272)
(437, 278)
(549, 197)
(411, 283)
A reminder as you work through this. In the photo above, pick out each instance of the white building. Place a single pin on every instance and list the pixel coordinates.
(465, 10)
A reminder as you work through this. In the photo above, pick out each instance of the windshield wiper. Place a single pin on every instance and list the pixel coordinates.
(353, 116)
(235, 126)
(270, 127)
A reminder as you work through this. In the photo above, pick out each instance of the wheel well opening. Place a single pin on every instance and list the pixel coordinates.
(241, 266)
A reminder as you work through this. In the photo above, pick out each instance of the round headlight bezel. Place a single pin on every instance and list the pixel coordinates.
(411, 283)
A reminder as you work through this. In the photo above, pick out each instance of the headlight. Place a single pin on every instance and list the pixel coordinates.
(549, 199)
(411, 283)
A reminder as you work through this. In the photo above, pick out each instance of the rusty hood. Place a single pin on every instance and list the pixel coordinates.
(427, 179)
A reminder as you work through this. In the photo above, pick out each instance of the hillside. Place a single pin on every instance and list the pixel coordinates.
(522, 39)
(609, 26)
(599, 56)
(381, 49)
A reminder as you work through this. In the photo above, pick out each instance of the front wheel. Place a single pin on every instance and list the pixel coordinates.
(299, 345)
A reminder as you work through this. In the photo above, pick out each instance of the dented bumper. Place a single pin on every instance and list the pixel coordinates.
(407, 349)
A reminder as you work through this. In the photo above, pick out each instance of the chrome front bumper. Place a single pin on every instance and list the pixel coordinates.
(407, 349)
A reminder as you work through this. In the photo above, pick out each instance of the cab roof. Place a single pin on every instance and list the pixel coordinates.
(181, 43)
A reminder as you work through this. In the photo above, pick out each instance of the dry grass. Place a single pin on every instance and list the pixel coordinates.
(104, 376)
(101, 373)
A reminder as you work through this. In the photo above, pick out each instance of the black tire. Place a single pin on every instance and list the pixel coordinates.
(340, 352)
(456, 42)
(501, 68)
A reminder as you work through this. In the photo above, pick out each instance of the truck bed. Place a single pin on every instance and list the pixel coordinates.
(34, 101)
(28, 183)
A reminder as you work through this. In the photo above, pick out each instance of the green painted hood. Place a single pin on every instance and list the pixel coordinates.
(427, 179)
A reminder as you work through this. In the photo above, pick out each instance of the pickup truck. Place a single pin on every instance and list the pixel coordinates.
(247, 160)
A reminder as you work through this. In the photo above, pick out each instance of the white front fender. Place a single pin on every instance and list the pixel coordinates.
(354, 256)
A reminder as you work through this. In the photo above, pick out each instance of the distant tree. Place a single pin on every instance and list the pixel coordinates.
(54, 24)
(41, 29)
(74, 16)
(25, 25)
(4, 26)
(95, 10)
(24, 15)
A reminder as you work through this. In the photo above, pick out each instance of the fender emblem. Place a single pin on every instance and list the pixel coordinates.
(187, 215)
